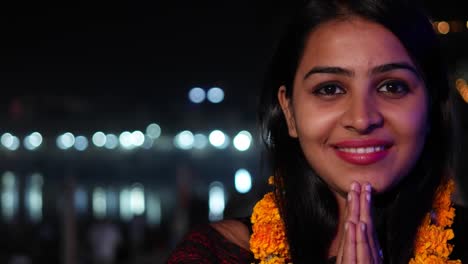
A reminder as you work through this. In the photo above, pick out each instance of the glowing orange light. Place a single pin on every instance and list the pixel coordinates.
(443, 27)
(459, 83)
(462, 88)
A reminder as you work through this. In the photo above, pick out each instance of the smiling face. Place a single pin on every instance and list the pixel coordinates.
(358, 105)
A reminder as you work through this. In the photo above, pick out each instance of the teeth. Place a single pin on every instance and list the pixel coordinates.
(363, 150)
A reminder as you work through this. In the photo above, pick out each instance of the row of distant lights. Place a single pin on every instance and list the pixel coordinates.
(185, 140)
(214, 95)
(445, 27)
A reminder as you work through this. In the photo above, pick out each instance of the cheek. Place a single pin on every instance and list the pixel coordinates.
(315, 124)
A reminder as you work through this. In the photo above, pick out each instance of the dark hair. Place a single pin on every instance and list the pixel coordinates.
(308, 207)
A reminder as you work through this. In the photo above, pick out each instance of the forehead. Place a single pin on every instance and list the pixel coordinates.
(352, 42)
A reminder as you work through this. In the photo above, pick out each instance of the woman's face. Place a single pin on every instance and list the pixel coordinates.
(358, 107)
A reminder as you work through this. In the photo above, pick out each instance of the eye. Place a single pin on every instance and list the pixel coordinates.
(329, 90)
(395, 89)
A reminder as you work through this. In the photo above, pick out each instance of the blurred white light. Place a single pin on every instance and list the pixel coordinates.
(9, 195)
(137, 199)
(138, 138)
(153, 131)
(99, 139)
(81, 200)
(215, 95)
(112, 202)
(99, 203)
(81, 143)
(197, 95)
(242, 140)
(125, 140)
(111, 141)
(148, 143)
(16, 144)
(124, 203)
(218, 139)
(7, 139)
(153, 211)
(216, 201)
(66, 141)
(33, 141)
(200, 141)
(184, 140)
(34, 197)
(10, 141)
(242, 181)
(27, 144)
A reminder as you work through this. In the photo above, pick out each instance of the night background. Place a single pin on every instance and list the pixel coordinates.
(71, 69)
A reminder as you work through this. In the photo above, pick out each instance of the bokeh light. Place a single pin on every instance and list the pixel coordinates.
(197, 95)
(242, 141)
(218, 139)
(242, 181)
(153, 131)
(215, 95)
(184, 140)
(99, 139)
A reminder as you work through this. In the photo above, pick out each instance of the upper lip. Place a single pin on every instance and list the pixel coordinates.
(362, 143)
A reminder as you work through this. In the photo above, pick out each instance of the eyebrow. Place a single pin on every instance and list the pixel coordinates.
(376, 70)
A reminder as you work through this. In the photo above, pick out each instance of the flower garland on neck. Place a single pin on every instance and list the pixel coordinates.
(269, 244)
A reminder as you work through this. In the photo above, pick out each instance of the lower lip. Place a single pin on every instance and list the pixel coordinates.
(362, 158)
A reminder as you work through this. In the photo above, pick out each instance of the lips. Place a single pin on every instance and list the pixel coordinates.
(362, 152)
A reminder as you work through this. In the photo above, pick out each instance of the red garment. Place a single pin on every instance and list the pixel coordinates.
(205, 245)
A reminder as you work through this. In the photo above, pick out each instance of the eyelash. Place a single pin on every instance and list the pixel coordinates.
(402, 89)
(320, 91)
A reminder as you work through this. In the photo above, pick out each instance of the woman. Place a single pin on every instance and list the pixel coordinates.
(355, 120)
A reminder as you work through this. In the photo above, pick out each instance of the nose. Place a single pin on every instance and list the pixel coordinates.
(362, 115)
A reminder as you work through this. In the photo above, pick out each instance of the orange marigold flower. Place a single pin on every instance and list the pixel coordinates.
(269, 243)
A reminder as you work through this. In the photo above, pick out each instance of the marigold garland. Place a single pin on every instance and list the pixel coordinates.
(431, 245)
(269, 245)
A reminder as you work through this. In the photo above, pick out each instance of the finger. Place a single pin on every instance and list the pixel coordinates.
(339, 256)
(353, 203)
(363, 250)
(366, 216)
(349, 249)
(351, 215)
(342, 234)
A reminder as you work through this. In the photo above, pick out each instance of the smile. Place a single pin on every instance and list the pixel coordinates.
(362, 152)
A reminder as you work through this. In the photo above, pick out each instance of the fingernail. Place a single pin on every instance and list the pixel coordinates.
(354, 186)
(368, 187)
(349, 196)
(368, 197)
(363, 227)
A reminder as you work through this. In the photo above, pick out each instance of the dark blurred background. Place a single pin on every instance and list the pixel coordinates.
(125, 123)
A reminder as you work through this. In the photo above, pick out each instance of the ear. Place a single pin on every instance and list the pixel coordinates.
(285, 104)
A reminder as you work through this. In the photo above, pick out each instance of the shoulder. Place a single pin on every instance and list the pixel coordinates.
(234, 231)
(214, 243)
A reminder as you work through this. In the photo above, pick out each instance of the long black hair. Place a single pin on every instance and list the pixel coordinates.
(308, 207)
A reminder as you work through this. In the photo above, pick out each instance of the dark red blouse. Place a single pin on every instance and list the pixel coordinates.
(205, 245)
